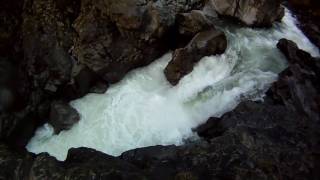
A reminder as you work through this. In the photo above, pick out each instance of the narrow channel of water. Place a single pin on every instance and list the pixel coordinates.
(144, 109)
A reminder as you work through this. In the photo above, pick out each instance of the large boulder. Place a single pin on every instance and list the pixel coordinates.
(191, 23)
(206, 43)
(251, 12)
(62, 116)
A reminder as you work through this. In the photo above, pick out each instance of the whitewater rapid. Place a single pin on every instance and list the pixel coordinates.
(144, 109)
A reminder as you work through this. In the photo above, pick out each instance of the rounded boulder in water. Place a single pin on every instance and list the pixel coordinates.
(205, 43)
(62, 116)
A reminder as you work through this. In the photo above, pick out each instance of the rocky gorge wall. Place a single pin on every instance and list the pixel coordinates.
(56, 51)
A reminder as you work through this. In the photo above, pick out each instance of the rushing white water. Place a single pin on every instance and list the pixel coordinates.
(144, 110)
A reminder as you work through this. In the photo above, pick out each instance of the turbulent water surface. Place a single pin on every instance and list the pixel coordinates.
(144, 109)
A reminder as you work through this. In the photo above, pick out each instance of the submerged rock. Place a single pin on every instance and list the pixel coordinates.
(62, 116)
(251, 12)
(205, 43)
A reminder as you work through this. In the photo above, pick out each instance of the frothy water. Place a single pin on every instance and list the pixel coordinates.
(144, 109)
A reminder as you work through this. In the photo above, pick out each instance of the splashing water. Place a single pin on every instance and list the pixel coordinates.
(144, 109)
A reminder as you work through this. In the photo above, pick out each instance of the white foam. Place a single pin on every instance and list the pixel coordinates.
(144, 109)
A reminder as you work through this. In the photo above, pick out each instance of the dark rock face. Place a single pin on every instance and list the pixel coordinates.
(308, 13)
(64, 49)
(117, 36)
(251, 12)
(298, 85)
(287, 121)
(62, 116)
(298, 88)
(258, 115)
(205, 43)
(10, 21)
(47, 37)
(81, 163)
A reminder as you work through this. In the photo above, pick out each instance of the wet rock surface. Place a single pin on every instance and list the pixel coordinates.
(205, 43)
(62, 116)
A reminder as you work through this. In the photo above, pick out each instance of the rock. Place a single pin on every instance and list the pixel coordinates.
(82, 163)
(83, 79)
(195, 21)
(192, 23)
(266, 115)
(6, 99)
(10, 20)
(241, 152)
(307, 12)
(298, 85)
(119, 36)
(251, 12)
(205, 43)
(288, 116)
(99, 88)
(144, 157)
(211, 129)
(38, 52)
(6, 80)
(44, 41)
(46, 54)
(62, 116)
(14, 88)
(298, 88)
(260, 134)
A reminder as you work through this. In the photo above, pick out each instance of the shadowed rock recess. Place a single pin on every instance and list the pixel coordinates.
(55, 51)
